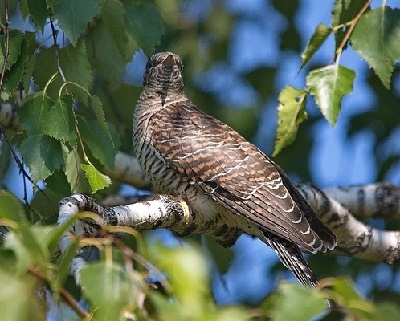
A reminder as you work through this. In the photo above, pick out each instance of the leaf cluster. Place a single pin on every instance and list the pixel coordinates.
(65, 133)
(373, 34)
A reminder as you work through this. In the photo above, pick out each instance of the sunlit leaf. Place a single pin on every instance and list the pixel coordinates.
(96, 179)
(328, 85)
(291, 114)
(319, 36)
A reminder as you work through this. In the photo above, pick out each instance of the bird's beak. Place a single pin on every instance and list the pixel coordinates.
(169, 61)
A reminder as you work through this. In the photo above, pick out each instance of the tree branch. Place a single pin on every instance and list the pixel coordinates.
(366, 201)
(355, 239)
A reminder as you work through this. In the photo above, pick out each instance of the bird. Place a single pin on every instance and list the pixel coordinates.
(187, 153)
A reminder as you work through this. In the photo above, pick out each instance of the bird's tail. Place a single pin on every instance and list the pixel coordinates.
(292, 258)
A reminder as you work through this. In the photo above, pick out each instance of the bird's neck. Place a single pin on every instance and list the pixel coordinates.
(158, 99)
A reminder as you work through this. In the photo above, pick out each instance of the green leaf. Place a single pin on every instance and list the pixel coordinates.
(75, 64)
(376, 38)
(14, 42)
(96, 179)
(297, 303)
(186, 271)
(145, 24)
(13, 75)
(291, 113)
(387, 311)
(74, 172)
(109, 41)
(21, 51)
(11, 207)
(97, 106)
(42, 154)
(34, 112)
(47, 57)
(328, 85)
(319, 36)
(38, 12)
(345, 289)
(74, 15)
(108, 289)
(64, 266)
(60, 122)
(103, 144)
(345, 293)
(343, 12)
(28, 246)
(19, 298)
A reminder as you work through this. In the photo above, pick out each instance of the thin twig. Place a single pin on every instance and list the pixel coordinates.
(7, 53)
(56, 49)
(22, 170)
(350, 30)
(73, 304)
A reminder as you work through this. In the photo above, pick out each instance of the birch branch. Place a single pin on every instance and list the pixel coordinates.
(355, 239)
(163, 211)
(365, 201)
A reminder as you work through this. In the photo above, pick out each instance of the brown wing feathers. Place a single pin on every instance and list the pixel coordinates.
(236, 174)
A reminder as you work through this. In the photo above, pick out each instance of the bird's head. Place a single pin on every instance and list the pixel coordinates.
(164, 73)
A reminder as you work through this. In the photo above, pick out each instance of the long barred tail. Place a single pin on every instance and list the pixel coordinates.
(292, 258)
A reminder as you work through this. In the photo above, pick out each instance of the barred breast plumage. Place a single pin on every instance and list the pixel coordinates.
(189, 153)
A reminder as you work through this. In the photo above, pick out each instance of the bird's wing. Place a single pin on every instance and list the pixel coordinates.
(236, 174)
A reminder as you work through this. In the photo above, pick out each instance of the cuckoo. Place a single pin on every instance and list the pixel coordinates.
(189, 154)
